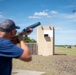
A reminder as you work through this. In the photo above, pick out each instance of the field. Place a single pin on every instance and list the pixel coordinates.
(67, 51)
(62, 63)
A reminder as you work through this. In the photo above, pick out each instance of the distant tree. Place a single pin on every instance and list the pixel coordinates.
(33, 40)
(28, 40)
(74, 45)
(69, 46)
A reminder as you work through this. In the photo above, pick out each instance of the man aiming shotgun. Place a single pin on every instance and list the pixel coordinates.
(8, 49)
(25, 32)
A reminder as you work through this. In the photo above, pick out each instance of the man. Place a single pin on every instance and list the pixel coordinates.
(8, 49)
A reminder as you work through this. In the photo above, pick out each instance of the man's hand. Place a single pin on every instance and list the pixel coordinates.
(29, 31)
(21, 37)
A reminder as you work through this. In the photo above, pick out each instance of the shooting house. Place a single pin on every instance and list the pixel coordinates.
(45, 40)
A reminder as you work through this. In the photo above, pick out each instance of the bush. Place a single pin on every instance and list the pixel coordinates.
(69, 47)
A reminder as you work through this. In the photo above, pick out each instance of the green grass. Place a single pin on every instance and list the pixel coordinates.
(67, 51)
(59, 64)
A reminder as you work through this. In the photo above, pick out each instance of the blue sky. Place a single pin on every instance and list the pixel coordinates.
(57, 13)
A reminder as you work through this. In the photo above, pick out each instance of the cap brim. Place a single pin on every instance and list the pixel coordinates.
(17, 27)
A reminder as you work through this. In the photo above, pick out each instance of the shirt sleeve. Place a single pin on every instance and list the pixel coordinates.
(8, 49)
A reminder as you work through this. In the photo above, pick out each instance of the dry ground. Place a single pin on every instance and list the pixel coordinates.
(52, 65)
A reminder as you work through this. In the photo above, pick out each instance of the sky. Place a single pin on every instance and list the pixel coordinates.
(57, 13)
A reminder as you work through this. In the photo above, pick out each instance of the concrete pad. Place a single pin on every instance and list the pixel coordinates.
(25, 72)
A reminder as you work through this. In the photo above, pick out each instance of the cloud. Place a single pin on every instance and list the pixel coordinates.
(1, 16)
(69, 16)
(34, 17)
(54, 15)
(63, 15)
(53, 12)
(42, 14)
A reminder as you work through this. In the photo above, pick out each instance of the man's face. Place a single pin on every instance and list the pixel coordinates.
(12, 34)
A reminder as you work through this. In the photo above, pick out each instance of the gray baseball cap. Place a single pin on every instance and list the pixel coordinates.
(8, 25)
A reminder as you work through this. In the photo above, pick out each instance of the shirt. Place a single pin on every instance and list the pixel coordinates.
(8, 50)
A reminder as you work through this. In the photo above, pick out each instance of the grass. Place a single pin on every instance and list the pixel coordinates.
(68, 51)
(53, 65)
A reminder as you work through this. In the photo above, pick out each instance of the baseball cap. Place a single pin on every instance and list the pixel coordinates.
(8, 25)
